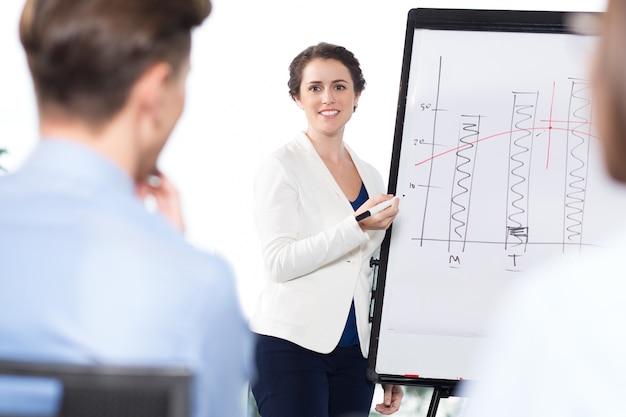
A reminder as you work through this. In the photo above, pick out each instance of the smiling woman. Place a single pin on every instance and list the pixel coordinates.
(312, 317)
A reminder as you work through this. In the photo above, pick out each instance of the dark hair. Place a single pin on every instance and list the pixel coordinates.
(324, 50)
(610, 83)
(84, 56)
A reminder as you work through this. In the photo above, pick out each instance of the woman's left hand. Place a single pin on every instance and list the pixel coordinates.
(392, 398)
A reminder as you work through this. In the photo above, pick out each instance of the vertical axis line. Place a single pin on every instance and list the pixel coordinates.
(430, 172)
(550, 126)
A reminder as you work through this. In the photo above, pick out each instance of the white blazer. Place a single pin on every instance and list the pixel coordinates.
(317, 257)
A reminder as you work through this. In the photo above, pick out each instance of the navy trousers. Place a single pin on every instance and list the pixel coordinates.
(296, 382)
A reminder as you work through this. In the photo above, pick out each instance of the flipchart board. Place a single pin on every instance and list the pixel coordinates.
(498, 167)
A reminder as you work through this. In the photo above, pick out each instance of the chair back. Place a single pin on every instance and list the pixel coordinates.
(110, 391)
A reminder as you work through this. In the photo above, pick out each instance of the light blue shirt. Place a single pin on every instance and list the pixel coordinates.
(88, 275)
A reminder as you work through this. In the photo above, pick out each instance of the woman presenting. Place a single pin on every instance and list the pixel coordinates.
(312, 316)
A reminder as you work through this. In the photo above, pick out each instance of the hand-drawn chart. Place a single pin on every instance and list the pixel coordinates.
(500, 170)
(573, 139)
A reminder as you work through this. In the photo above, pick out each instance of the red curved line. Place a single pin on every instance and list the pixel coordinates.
(501, 134)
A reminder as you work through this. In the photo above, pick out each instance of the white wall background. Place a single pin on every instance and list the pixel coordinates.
(238, 109)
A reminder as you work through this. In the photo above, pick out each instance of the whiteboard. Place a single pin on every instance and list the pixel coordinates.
(499, 169)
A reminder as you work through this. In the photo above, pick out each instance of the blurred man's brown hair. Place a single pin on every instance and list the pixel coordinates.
(85, 55)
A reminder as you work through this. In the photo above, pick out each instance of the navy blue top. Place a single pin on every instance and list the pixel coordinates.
(350, 336)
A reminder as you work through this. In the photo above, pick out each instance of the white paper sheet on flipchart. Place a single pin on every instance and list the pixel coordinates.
(444, 275)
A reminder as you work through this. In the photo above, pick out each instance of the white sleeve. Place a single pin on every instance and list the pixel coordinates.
(286, 254)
